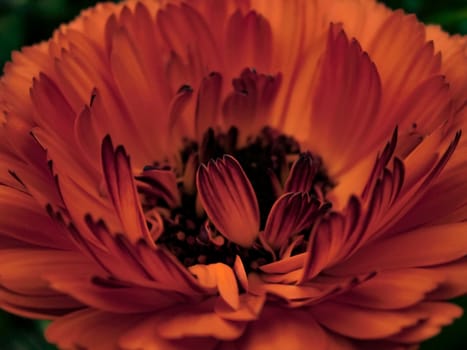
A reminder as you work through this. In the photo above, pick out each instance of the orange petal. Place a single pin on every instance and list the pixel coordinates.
(454, 283)
(113, 296)
(221, 277)
(446, 243)
(188, 320)
(361, 323)
(434, 315)
(240, 272)
(393, 289)
(135, 87)
(90, 329)
(250, 308)
(282, 328)
(229, 200)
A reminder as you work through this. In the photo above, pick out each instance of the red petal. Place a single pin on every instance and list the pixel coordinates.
(208, 103)
(248, 42)
(122, 190)
(302, 174)
(344, 112)
(229, 200)
(290, 214)
(160, 183)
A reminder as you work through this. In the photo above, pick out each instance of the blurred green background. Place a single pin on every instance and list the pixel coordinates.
(24, 22)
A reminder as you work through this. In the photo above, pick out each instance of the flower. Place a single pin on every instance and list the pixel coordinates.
(236, 175)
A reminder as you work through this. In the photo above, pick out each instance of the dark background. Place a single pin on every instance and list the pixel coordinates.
(24, 22)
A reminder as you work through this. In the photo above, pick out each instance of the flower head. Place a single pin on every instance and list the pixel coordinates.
(235, 175)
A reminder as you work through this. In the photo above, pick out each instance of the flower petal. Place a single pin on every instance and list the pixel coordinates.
(343, 113)
(208, 103)
(185, 321)
(250, 307)
(393, 289)
(90, 329)
(23, 219)
(229, 200)
(302, 174)
(434, 315)
(112, 296)
(282, 328)
(248, 107)
(221, 277)
(122, 190)
(248, 41)
(160, 183)
(290, 214)
(361, 323)
(447, 243)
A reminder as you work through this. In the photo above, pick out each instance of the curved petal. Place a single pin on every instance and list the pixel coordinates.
(229, 200)
(302, 174)
(122, 191)
(290, 214)
(446, 243)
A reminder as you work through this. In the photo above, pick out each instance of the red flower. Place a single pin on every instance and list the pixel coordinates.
(296, 177)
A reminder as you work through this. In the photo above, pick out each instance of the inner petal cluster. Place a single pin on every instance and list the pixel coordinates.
(261, 198)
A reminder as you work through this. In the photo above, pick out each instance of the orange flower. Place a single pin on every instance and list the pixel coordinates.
(296, 178)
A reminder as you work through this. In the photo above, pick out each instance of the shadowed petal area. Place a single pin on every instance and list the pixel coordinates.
(229, 200)
(291, 213)
(280, 328)
(91, 329)
(122, 190)
(302, 174)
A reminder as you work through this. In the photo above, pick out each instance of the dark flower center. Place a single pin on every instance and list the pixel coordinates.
(267, 156)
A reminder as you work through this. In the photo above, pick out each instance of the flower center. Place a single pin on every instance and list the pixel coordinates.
(266, 160)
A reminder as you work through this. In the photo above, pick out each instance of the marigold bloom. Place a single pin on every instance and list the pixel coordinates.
(236, 175)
